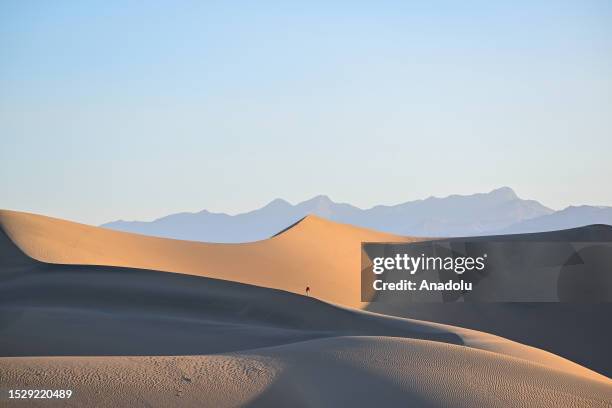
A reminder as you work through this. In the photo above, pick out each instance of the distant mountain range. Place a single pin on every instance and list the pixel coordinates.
(500, 211)
(568, 218)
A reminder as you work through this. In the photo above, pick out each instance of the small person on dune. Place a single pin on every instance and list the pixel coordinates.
(307, 290)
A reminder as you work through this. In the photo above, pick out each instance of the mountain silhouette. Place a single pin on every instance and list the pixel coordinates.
(455, 215)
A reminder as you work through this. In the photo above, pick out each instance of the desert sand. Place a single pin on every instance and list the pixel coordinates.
(314, 252)
(96, 311)
(331, 372)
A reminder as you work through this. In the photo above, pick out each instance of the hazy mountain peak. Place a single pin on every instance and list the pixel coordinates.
(504, 192)
(317, 200)
(277, 202)
(501, 193)
(320, 205)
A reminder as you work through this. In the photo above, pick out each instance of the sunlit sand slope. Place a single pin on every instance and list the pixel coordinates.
(314, 252)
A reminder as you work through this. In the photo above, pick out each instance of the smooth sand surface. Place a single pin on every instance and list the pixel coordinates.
(203, 341)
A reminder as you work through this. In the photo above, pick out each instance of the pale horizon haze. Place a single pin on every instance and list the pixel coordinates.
(135, 110)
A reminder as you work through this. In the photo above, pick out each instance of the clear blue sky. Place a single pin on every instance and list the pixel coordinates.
(135, 110)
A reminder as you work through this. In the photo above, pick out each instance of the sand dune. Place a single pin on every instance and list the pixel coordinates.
(559, 327)
(324, 255)
(315, 252)
(69, 291)
(332, 372)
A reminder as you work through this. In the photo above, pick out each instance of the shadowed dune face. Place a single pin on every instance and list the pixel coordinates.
(579, 332)
(593, 285)
(97, 310)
